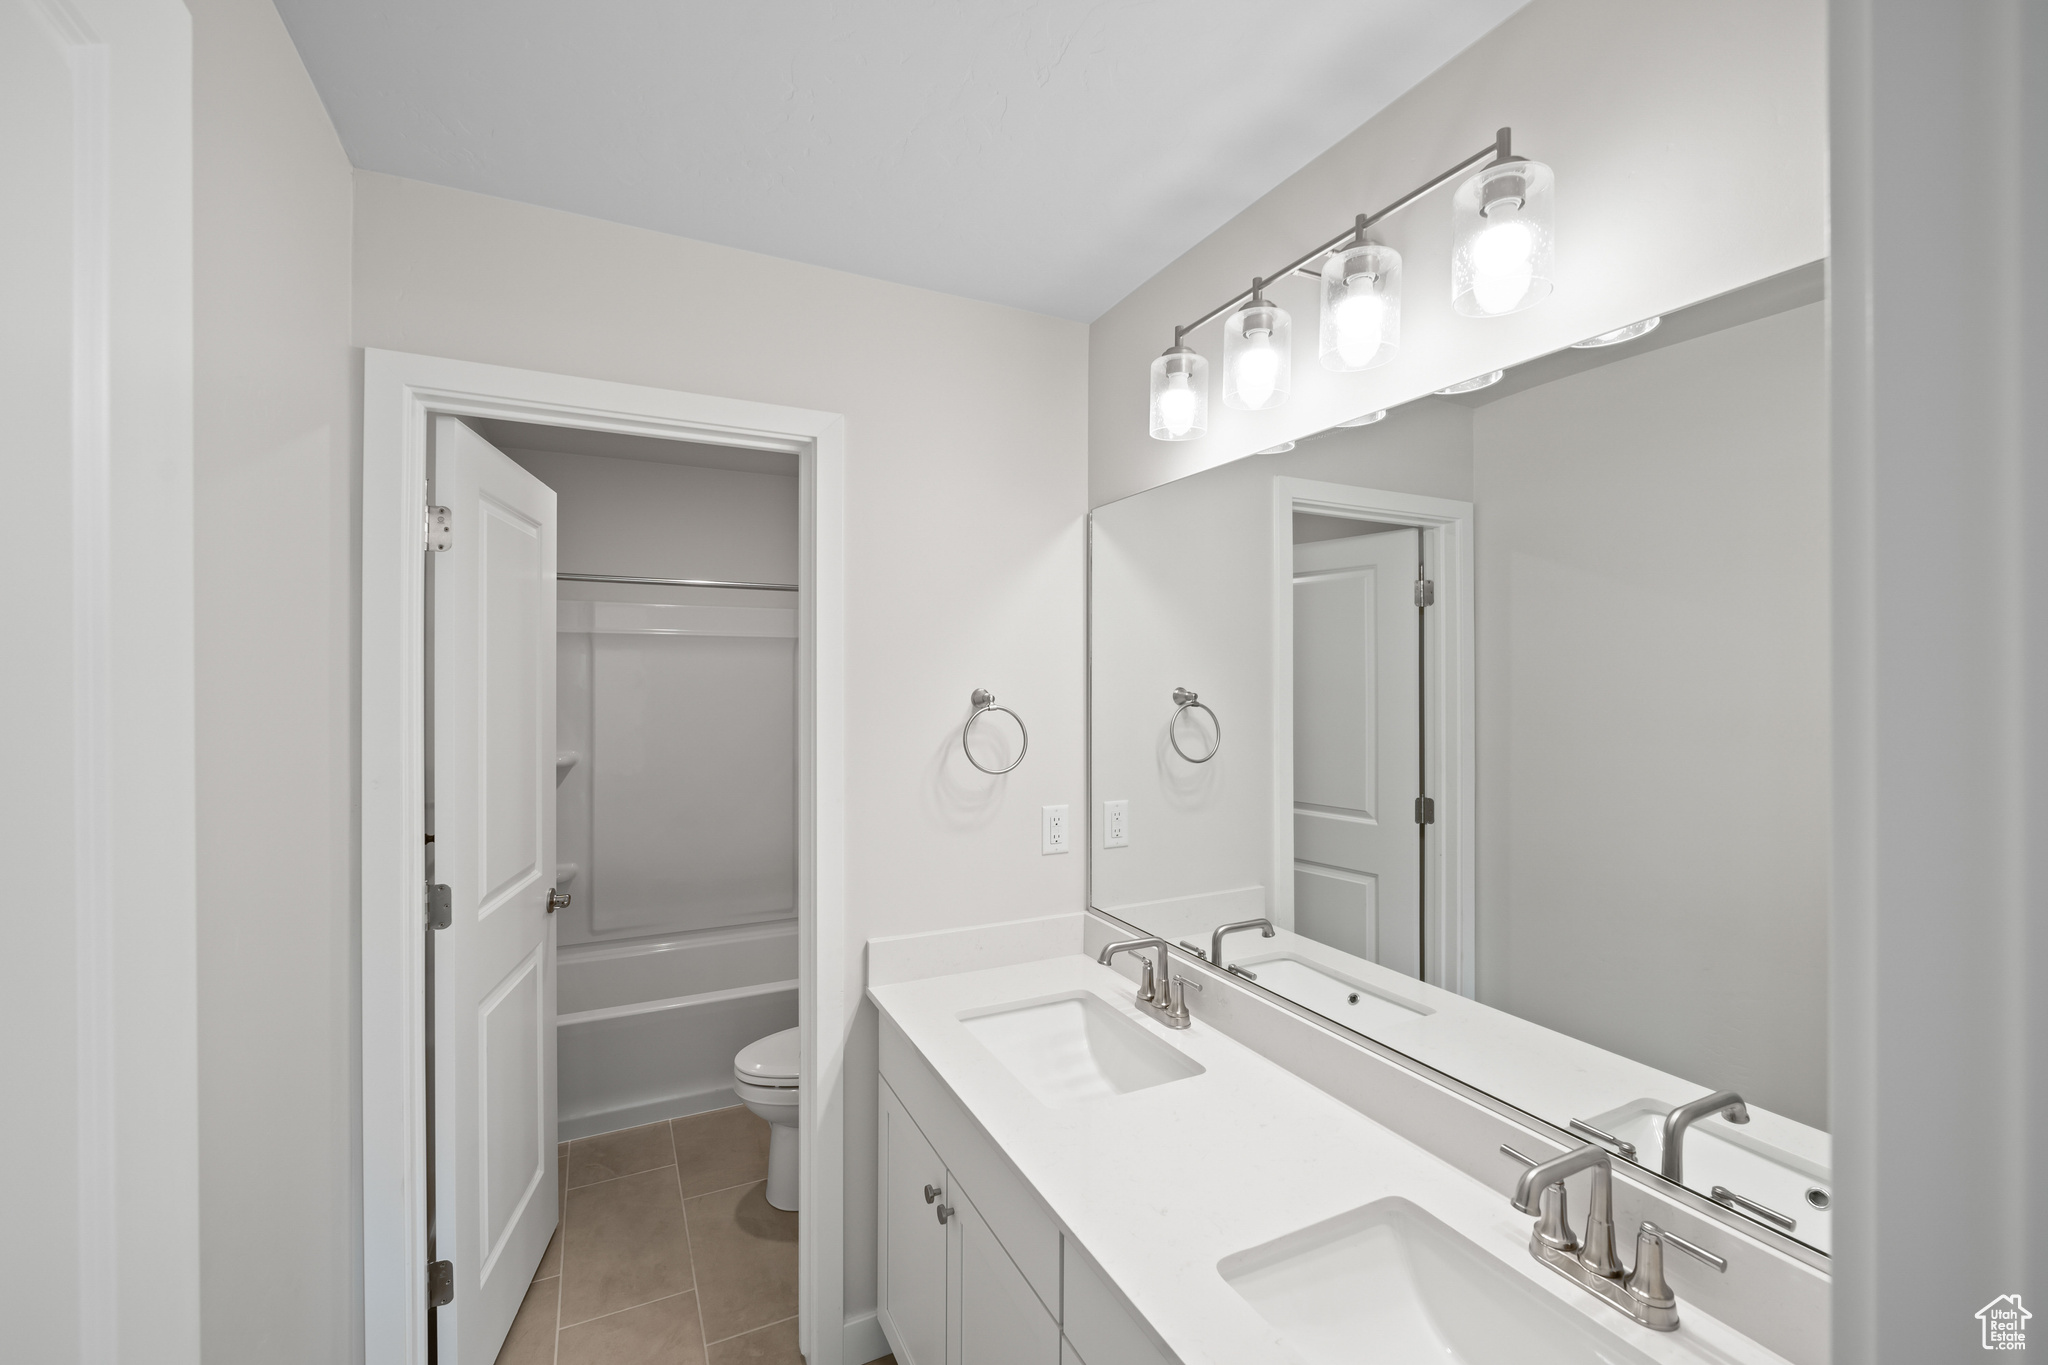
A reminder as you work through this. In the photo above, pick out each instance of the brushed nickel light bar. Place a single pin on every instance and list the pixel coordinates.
(1501, 262)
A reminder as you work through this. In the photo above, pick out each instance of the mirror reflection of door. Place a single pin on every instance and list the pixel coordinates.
(1358, 744)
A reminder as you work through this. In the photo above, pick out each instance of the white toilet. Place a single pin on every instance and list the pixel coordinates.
(764, 1075)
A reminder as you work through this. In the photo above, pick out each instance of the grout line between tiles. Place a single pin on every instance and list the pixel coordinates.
(627, 1308)
(737, 1335)
(690, 1249)
(610, 1178)
(759, 1180)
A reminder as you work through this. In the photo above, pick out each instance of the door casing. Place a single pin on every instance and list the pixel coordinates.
(1449, 704)
(401, 395)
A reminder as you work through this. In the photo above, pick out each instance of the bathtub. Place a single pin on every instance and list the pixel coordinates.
(647, 1030)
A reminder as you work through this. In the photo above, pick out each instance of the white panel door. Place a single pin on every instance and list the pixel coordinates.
(913, 1242)
(1358, 746)
(999, 1318)
(493, 825)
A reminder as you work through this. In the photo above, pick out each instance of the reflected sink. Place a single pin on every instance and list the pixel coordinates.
(1718, 1152)
(1074, 1048)
(1332, 993)
(1393, 1284)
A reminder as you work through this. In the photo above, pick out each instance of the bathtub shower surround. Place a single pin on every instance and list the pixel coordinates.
(676, 767)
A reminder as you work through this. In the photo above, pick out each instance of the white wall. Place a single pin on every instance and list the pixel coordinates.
(649, 519)
(966, 489)
(1689, 143)
(1652, 558)
(97, 980)
(1941, 644)
(1182, 596)
(276, 482)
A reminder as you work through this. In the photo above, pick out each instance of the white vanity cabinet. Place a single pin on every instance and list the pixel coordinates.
(949, 1293)
(992, 1283)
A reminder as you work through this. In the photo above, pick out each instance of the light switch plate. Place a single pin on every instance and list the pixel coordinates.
(1052, 829)
(1116, 824)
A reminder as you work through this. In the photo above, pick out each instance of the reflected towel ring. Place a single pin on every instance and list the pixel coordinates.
(1189, 700)
(985, 702)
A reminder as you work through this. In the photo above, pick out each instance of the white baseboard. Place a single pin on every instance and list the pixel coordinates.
(632, 1116)
(862, 1340)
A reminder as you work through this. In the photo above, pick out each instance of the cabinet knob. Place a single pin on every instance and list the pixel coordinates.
(945, 1212)
(931, 1192)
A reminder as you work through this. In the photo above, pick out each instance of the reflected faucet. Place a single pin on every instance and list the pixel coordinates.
(1265, 928)
(1152, 985)
(1726, 1103)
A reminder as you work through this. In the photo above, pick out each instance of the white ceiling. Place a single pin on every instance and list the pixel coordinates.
(1052, 155)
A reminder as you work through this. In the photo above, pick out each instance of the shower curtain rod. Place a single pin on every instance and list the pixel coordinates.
(673, 582)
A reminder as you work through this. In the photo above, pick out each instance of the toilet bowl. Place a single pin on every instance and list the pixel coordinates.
(764, 1076)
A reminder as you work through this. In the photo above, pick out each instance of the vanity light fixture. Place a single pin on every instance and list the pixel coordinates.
(1504, 253)
(1361, 305)
(1180, 395)
(1619, 334)
(1366, 420)
(1258, 354)
(1501, 262)
(1477, 381)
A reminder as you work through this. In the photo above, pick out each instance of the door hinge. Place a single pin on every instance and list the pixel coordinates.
(1425, 810)
(440, 906)
(440, 1283)
(1425, 593)
(440, 529)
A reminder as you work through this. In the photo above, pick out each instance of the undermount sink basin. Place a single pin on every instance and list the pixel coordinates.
(1393, 1284)
(1074, 1048)
(1727, 1155)
(1332, 993)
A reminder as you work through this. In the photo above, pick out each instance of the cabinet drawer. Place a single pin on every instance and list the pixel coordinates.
(1013, 1211)
(1098, 1325)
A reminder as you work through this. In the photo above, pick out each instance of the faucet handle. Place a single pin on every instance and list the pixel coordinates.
(1646, 1283)
(1177, 1001)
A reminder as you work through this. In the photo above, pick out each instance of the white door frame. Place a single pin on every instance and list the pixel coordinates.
(401, 392)
(1449, 704)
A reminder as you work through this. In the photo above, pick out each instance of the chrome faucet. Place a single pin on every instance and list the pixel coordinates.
(1265, 928)
(1642, 1293)
(1726, 1103)
(1152, 985)
(1553, 1227)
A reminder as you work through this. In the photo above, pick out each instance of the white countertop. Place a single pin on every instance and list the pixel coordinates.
(1160, 1184)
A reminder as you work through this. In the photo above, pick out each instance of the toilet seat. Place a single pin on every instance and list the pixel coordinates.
(769, 1063)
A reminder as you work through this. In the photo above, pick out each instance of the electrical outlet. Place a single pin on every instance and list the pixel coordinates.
(1052, 829)
(1116, 824)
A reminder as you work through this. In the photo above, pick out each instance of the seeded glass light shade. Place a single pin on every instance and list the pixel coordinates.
(1257, 356)
(1180, 395)
(1503, 253)
(1361, 307)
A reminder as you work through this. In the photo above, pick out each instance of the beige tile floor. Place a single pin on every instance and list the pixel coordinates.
(668, 1253)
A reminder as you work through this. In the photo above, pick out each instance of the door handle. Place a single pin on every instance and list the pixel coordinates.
(931, 1192)
(558, 899)
(945, 1212)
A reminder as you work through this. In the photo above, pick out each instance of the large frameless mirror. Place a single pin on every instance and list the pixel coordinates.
(1508, 714)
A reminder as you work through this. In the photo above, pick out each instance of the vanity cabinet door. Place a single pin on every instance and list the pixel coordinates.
(913, 1243)
(999, 1320)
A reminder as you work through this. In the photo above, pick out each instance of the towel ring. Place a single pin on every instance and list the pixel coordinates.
(1188, 700)
(984, 702)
